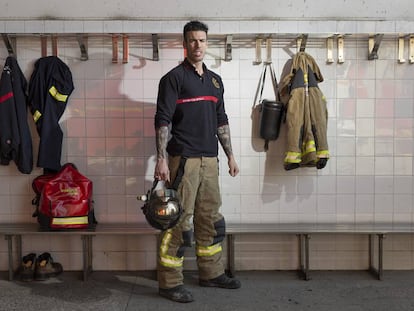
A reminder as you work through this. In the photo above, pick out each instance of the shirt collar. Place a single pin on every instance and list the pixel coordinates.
(189, 66)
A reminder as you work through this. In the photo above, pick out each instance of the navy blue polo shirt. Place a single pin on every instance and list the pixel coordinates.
(193, 105)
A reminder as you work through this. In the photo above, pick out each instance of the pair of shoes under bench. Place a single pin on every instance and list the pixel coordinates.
(38, 268)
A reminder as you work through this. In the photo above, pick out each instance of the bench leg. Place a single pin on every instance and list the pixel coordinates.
(378, 272)
(9, 239)
(230, 255)
(380, 254)
(19, 247)
(304, 255)
(87, 255)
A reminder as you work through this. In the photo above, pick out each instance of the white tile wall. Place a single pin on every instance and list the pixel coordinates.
(108, 127)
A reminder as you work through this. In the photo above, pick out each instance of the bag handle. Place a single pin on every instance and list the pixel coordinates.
(274, 82)
(260, 86)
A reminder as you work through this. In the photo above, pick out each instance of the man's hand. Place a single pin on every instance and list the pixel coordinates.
(233, 167)
(162, 172)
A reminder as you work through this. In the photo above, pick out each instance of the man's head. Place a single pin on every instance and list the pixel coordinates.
(195, 40)
(194, 26)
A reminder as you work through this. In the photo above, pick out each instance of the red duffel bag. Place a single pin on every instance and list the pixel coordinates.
(64, 200)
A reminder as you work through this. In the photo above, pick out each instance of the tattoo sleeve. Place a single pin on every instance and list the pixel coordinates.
(223, 133)
(161, 139)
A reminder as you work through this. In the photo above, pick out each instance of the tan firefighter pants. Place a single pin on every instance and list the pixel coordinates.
(200, 197)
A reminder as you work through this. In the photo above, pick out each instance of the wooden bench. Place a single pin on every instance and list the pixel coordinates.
(15, 232)
(305, 231)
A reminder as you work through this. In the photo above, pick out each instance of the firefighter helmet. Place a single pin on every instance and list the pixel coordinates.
(162, 207)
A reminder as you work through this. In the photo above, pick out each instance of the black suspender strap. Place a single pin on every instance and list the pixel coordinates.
(180, 173)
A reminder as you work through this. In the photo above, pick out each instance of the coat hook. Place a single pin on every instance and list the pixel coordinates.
(341, 45)
(114, 49)
(258, 59)
(301, 42)
(373, 46)
(83, 45)
(229, 40)
(43, 45)
(54, 45)
(125, 48)
(329, 50)
(401, 44)
(10, 43)
(155, 52)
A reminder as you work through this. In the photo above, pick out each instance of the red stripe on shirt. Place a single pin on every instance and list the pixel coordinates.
(197, 99)
(6, 97)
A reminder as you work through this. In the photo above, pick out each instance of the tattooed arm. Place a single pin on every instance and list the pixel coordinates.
(223, 133)
(162, 171)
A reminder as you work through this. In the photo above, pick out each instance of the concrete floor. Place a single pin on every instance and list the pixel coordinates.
(261, 290)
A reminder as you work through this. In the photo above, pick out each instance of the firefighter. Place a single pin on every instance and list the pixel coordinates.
(49, 89)
(190, 111)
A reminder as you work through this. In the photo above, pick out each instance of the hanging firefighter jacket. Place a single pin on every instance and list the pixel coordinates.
(49, 89)
(15, 137)
(306, 114)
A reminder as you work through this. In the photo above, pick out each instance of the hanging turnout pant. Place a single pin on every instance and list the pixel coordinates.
(200, 198)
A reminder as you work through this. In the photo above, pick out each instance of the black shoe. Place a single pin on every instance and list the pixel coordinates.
(222, 281)
(45, 267)
(27, 268)
(178, 294)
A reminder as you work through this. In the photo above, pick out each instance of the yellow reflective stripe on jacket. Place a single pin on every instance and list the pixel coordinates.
(80, 220)
(209, 250)
(167, 260)
(309, 147)
(56, 95)
(293, 157)
(323, 154)
(36, 115)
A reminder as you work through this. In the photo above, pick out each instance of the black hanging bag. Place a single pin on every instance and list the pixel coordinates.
(271, 111)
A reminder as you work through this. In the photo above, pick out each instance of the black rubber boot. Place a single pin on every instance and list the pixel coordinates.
(178, 294)
(222, 281)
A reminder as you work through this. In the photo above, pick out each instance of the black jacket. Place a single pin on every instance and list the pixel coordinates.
(15, 137)
(49, 89)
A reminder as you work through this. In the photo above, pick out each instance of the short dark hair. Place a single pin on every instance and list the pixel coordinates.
(194, 26)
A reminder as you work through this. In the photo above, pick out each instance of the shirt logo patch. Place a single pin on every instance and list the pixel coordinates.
(215, 83)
